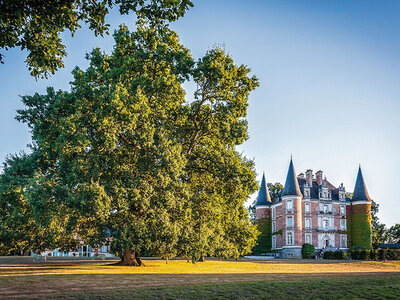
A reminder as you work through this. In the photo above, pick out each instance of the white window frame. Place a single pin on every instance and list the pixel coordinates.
(274, 241)
(273, 226)
(273, 212)
(343, 241)
(325, 208)
(325, 223)
(289, 205)
(308, 236)
(343, 224)
(307, 207)
(342, 210)
(291, 222)
(289, 238)
(308, 223)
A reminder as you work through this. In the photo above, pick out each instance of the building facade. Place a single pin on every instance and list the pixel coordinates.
(311, 210)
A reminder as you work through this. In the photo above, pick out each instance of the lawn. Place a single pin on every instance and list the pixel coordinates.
(211, 279)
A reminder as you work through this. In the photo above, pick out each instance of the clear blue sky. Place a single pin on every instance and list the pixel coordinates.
(329, 85)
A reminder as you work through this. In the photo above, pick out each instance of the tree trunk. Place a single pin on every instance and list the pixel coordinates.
(131, 258)
(202, 259)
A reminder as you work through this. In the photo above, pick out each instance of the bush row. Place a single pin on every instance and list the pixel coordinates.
(381, 254)
(334, 255)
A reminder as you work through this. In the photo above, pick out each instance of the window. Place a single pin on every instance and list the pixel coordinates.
(343, 241)
(289, 238)
(104, 249)
(325, 223)
(325, 208)
(308, 238)
(343, 224)
(289, 221)
(308, 223)
(307, 207)
(289, 205)
(273, 212)
(274, 241)
(342, 210)
(273, 226)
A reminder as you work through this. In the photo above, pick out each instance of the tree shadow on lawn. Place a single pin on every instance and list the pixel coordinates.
(53, 285)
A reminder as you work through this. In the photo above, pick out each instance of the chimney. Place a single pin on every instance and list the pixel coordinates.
(318, 175)
(309, 177)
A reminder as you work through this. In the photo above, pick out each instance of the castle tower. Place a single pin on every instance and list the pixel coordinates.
(263, 202)
(292, 209)
(359, 216)
(264, 219)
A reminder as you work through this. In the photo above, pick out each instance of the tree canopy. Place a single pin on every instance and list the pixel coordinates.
(36, 26)
(124, 154)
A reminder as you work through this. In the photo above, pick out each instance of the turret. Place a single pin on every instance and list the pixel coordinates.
(291, 204)
(359, 215)
(263, 201)
(291, 187)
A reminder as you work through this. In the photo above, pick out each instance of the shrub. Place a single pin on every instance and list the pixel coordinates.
(307, 251)
(363, 254)
(381, 254)
(328, 255)
(373, 254)
(339, 255)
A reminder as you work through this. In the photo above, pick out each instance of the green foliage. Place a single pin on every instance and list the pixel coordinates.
(124, 154)
(361, 234)
(274, 190)
(381, 254)
(36, 26)
(393, 234)
(307, 250)
(337, 255)
(264, 240)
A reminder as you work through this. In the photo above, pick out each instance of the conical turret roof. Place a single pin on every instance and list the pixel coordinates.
(263, 197)
(360, 190)
(291, 185)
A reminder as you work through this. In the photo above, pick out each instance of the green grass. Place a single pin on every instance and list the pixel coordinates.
(386, 287)
(213, 279)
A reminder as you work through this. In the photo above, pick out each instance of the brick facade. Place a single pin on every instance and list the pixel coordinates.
(316, 212)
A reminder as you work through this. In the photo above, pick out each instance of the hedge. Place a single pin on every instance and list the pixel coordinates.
(381, 254)
(334, 255)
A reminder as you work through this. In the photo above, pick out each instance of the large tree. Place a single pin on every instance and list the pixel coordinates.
(36, 26)
(126, 155)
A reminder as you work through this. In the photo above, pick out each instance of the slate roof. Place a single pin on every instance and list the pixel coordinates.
(263, 197)
(291, 185)
(360, 190)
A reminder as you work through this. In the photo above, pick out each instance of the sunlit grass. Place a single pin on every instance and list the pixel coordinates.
(70, 279)
(208, 267)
